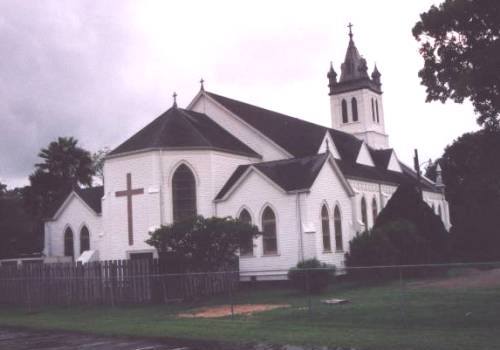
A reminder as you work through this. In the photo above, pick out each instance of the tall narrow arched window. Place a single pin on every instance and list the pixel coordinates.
(84, 239)
(433, 208)
(373, 109)
(345, 116)
(439, 212)
(376, 110)
(269, 240)
(325, 228)
(337, 224)
(354, 106)
(374, 210)
(68, 243)
(246, 243)
(183, 194)
(364, 213)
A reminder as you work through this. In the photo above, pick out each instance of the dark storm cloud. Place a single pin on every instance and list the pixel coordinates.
(60, 75)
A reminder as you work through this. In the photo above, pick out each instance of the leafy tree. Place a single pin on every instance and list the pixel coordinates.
(202, 244)
(3, 189)
(407, 204)
(17, 234)
(66, 161)
(98, 162)
(461, 50)
(471, 173)
(394, 243)
(406, 232)
(65, 166)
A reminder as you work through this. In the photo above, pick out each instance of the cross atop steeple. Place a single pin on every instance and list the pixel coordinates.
(174, 95)
(350, 25)
(202, 88)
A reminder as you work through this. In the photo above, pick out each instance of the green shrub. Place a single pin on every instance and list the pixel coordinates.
(311, 275)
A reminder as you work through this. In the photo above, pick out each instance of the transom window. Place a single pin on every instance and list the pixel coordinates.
(68, 243)
(325, 226)
(84, 239)
(337, 220)
(269, 241)
(246, 244)
(364, 213)
(183, 194)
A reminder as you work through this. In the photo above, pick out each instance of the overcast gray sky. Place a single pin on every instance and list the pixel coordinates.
(100, 70)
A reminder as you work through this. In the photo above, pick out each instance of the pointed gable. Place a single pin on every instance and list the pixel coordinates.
(328, 145)
(393, 164)
(364, 156)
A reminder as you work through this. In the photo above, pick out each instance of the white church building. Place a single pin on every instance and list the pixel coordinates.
(308, 188)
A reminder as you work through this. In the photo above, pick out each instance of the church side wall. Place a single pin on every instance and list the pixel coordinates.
(327, 190)
(248, 135)
(254, 194)
(75, 215)
(153, 171)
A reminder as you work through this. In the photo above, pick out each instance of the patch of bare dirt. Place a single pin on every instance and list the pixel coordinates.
(225, 310)
(469, 278)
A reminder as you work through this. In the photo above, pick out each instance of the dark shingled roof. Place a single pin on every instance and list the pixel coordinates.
(302, 139)
(182, 129)
(91, 196)
(290, 174)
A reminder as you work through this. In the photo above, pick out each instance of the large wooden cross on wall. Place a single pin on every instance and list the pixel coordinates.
(129, 192)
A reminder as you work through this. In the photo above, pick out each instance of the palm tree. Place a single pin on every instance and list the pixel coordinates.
(64, 160)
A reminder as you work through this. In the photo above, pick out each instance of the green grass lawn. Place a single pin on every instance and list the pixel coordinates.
(378, 317)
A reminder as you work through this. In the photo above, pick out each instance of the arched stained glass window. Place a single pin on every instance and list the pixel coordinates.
(374, 209)
(68, 243)
(246, 244)
(269, 240)
(84, 239)
(354, 106)
(345, 116)
(373, 109)
(183, 194)
(376, 110)
(325, 228)
(337, 220)
(364, 213)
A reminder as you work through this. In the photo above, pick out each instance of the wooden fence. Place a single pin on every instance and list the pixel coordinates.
(107, 283)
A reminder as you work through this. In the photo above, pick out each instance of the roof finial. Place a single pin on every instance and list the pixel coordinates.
(202, 88)
(350, 25)
(174, 95)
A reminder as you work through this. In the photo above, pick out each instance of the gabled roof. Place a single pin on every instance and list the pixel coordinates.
(90, 196)
(289, 174)
(298, 137)
(183, 129)
(302, 139)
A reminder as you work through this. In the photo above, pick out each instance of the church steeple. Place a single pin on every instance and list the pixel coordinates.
(354, 66)
(356, 98)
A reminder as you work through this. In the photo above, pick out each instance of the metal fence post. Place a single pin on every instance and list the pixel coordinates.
(308, 291)
(231, 296)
